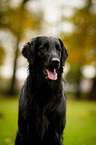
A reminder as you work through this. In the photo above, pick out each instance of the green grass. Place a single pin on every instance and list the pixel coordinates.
(80, 127)
(8, 120)
(81, 123)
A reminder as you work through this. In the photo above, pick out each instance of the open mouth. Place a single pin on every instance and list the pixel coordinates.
(52, 75)
(51, 70)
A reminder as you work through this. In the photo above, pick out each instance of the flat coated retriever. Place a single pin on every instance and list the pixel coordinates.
(42, 103)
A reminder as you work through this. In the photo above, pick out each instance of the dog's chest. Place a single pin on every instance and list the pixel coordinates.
(41, 120)
(42, 126)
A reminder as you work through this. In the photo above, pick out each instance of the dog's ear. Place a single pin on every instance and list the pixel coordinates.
(64, 53)
(28, 51)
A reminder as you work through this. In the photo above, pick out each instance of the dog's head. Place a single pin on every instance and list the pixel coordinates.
(48, 54)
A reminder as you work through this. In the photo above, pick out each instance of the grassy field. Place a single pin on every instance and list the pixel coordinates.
(80, 126)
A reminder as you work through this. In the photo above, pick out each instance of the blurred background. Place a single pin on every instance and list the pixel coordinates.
(75, 23)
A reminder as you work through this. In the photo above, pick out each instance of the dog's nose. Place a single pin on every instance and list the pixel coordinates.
(55, 62)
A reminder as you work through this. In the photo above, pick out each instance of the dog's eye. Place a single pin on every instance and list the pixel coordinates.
(45, 47)
(58, 47)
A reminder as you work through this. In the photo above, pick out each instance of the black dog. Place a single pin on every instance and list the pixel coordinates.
(42, 103)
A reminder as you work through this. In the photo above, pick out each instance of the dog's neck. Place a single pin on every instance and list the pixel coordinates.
(40, 86)
(38, 79)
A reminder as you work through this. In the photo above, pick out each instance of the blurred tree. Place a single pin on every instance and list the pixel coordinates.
(82, 42)
(17, 19)
(92, 94)
(2, 54)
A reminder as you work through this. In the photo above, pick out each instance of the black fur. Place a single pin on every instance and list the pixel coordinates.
(42, 103)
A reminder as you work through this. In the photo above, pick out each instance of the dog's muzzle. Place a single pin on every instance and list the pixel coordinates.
(55, 63)
(51, 72)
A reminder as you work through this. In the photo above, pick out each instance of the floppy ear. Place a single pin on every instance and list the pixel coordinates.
(28, 51)
(64, 53)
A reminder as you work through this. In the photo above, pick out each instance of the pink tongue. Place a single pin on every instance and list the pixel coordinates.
(52, 75)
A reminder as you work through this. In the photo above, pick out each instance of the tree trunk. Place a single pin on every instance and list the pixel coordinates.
(78, 92)
(13, 90)
(92, 94)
